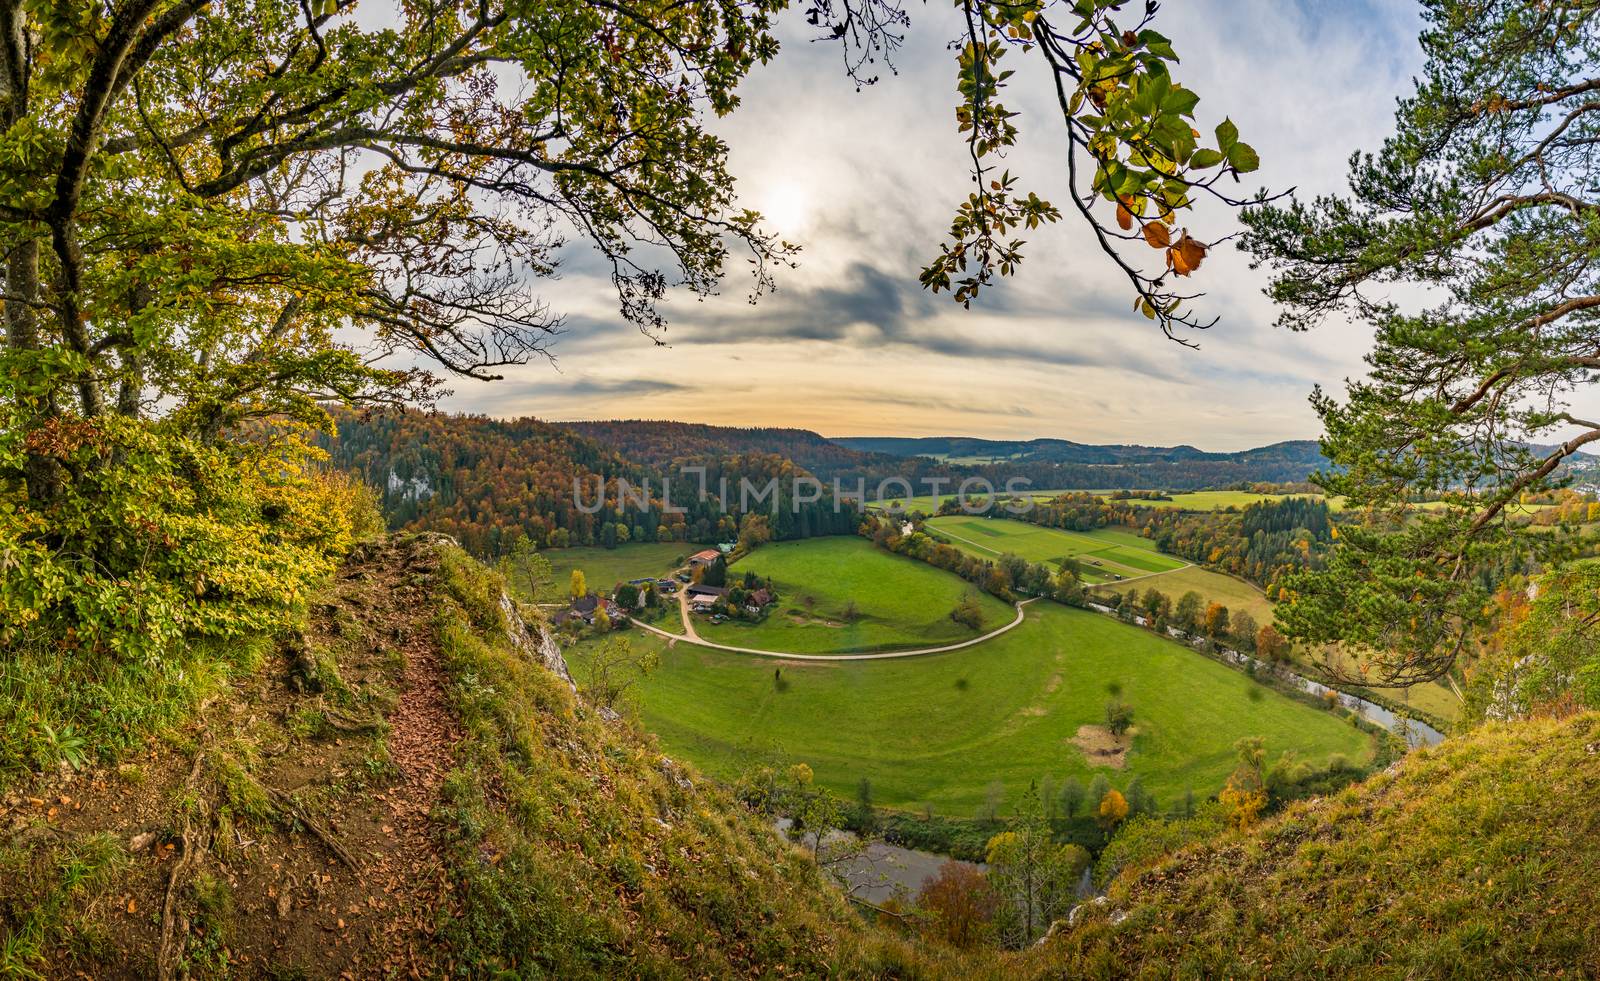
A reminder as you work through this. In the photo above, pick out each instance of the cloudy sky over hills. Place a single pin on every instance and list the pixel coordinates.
(866, 182)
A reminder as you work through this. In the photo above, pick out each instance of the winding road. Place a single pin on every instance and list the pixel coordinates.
(692, 638)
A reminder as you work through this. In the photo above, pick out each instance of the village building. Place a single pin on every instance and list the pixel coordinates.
(704, 558)
(704, 597)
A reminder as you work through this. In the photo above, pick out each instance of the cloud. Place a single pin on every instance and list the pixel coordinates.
(851, 342)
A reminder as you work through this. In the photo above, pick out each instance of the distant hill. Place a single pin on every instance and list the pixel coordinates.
(666, 444)
(965, 449)
(1046, 463)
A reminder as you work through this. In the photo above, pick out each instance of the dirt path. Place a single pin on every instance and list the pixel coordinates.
(683, 614)
(304, 794)
(692, 638)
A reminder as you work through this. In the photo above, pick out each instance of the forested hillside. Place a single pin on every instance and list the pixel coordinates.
(1062, 464)
(489, 481)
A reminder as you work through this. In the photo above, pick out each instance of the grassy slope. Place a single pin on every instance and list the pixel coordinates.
(1478, 858)
(492, 825)
(1236, 594)
(604, 567)
(939, 729)
(903, 603)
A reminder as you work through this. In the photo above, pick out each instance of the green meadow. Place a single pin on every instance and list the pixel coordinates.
(899, 603)
(937, 730)
(605, 567)
(1103, 554)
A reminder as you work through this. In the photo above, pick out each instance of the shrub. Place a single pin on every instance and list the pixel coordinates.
(159, 538)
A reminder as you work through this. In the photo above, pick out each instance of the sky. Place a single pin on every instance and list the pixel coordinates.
(867, 181)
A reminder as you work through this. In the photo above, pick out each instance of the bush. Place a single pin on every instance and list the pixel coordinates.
(161, 538)
(156, 568)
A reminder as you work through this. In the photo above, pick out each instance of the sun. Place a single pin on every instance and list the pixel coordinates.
(787, 207)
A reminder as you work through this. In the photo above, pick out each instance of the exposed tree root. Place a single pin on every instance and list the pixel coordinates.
(195, 839)
(316, 827)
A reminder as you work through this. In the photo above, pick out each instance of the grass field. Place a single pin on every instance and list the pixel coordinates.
(1103, 554)
(604, 567)
(1210, 500)
(901, 603)
(928, 504)
(938, 730)
(1236, 594)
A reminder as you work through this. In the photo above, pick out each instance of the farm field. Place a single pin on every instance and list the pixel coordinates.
(1104, 554)
(1236, 594)
(928, 504)
(938, 730)
(604, 567)
(1211, 500)
(901, 603)
(1213, 587)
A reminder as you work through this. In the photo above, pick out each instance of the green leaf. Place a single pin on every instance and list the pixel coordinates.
(1227, 134)
(1242, 157)
(1204, 158)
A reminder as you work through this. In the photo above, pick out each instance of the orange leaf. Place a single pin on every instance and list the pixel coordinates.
(1124, 217)
(1186, 256)
(1157, 235)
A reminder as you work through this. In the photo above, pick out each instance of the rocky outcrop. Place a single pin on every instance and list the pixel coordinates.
(535, 641)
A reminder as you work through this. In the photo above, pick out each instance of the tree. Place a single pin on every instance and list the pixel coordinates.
(215, 216)
(1216, 622)
(814, 815)
(1270, 644)
(1245, 795)
(967, 612)
(716, 573)
(1243, 628)
(994, 795)
(1156, 603)
(579, 587)
(614, 669)
(1098, 788)
(602, 619)
(1035, 877)
(1484, 197)
(1187, 612)
(960, 903)
(1119, 716)
(524, 567)
(1113, 809)
(1072, 795)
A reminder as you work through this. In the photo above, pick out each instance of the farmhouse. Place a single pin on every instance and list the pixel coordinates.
(702, 596)
(584, 608)
(704, 558)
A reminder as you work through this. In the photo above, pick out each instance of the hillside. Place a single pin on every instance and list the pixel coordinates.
(1477, 858)
(487, 482)
(664, 444)
(1086, 466)
(409, 789)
